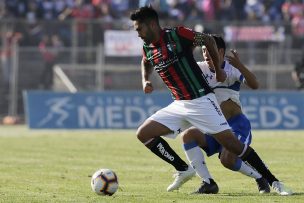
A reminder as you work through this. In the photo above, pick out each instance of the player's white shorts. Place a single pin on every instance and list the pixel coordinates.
(203, 113)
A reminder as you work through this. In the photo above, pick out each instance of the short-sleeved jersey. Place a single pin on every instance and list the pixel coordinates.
(172, 58)
(230, 88)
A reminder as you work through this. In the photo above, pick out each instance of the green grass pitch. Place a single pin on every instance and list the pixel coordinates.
(54, 166)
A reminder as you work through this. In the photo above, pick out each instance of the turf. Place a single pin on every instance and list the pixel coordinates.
(54, 166)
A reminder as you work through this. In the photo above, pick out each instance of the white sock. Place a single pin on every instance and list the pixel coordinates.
(249, 171)
(196, 158)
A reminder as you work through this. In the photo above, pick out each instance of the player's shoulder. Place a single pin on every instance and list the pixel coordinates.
(183, 30)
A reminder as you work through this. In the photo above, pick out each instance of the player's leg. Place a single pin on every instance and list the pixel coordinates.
(232, 162)
(242, 130)
(149, 133)
(208, 118)
(248, 154)
(193, 141)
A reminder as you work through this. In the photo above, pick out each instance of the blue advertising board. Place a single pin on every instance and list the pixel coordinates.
(91, 110)
(274, 110)
(128, 109)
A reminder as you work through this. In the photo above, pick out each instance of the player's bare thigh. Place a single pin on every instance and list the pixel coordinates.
(151, 129)
(194, 134)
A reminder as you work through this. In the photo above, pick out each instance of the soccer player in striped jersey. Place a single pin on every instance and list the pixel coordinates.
(227, 94)
(170, 53)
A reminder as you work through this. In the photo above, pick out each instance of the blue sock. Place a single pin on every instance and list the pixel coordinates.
(237, 165)
(190, 145)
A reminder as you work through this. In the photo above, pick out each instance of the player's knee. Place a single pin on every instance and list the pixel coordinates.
(188, 136)
(145, 134)
(140, 134)
(227, 163)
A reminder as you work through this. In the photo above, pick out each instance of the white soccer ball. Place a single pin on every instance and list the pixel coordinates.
(104, 182)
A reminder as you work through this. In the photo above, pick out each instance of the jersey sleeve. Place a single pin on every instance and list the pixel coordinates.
(204, 67)
(187, 34)
(237, 75)
(208, 74)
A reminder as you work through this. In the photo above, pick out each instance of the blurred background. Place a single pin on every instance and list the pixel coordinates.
(59, 45)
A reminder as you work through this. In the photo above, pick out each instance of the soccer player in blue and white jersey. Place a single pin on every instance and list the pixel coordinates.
(227, 94)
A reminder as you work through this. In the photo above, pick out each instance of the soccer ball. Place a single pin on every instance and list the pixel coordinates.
(104, 182)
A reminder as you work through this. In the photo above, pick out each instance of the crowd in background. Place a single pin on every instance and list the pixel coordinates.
(39, 17)
(207, 10)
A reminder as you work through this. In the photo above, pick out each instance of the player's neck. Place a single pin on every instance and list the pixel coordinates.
(158, 35)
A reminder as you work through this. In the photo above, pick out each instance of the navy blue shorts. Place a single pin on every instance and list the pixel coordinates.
(240, 127)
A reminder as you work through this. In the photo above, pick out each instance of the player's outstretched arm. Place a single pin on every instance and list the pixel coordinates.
(146, 70)
(250, 79)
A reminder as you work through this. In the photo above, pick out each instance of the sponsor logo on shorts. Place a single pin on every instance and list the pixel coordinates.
(215, 107)
(164, 152)
(224, 123)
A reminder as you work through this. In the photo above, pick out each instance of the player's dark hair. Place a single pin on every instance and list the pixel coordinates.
(220, 43)
(144, 14)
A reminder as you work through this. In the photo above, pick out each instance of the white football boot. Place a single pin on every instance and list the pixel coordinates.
(180, 178)
(280, 188)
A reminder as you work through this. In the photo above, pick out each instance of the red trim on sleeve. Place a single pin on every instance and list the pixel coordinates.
(186, 33)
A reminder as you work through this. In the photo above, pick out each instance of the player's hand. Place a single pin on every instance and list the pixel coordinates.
(207, 57)
(147, 87)
(234, 59)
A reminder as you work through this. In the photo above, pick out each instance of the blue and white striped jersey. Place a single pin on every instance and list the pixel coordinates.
(230, 88)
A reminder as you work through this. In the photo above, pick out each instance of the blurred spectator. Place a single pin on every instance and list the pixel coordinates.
(102, 10)
(255, 10)
(81, 12)
(193, 12)
(208, 9)
(119, 8)
(273, 10)
(225, 10)
(292, 8)
(3, 10)
(298, 73)
(46, 9)
(175, 10)
(297, 25)
(10, 40)
(12, 7)
(49, 48)
(239, 7)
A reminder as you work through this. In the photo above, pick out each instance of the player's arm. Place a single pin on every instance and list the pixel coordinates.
(193, 39)
(210, 63)
(206, 40)
(146, 70)
(250, 79)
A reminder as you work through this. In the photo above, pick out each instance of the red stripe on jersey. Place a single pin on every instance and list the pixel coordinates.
(186, 33)
(156, 60)
(163, 49)
(169, 85)
(179, 82)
